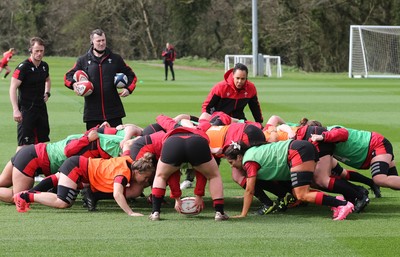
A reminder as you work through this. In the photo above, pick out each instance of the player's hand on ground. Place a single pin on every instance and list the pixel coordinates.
(135, 214)
(238, 216)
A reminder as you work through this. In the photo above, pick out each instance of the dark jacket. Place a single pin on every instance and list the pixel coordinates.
(225, 97)
(169, 54)
(104, 103)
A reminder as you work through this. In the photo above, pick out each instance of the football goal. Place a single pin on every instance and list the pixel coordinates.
(268, 65)
(374, 51)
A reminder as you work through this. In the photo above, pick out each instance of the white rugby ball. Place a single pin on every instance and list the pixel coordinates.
(188, 206)
(80, 75)
(120, 80)
(84, 88)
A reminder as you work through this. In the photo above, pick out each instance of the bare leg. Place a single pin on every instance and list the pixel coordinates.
(51, 199)
(383, 180)
(21, 182)
(6, 195)
(6, 175)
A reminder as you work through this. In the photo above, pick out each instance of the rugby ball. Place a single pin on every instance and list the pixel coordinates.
(120, 80)
(188, 207)
(80, 75)
(84, 88)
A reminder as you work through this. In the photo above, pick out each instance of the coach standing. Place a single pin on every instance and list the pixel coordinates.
(31, 79)
(101, 65)
(233, 94)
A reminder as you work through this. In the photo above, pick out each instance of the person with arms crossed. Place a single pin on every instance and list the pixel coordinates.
(101, 65)
(31, 79)
(4, 61)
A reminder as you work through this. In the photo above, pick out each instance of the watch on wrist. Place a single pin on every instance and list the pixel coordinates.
(48, 94)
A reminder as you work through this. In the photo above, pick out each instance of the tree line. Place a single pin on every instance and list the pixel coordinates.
(312, 35)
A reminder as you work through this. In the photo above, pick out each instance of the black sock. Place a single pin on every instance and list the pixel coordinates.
(219, 208)
(332, 201)
(45, 185)
(157, 201)
(25, 196)
(347, 190)
(358, 177)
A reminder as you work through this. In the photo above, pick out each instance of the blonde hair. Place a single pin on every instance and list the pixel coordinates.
(145, 163)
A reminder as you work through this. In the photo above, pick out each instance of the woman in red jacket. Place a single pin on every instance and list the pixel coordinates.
(233, 94)
(169, 56)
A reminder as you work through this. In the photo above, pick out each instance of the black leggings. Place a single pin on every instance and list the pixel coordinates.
(169, 64)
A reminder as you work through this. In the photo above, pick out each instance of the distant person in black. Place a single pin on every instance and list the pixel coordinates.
(169, 56)
(31, 79)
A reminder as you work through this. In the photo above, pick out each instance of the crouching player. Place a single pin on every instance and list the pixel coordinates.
(105, 175)
(293, 160)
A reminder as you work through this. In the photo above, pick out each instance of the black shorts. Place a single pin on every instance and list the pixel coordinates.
(26, 161)
(254, 135)
(152, 128)
(301, 151)
(185, 147)
(34, 127)
(76, 168)
(139, 146)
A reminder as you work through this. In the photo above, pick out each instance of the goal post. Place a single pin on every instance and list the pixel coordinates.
(374, 51)
(269, 65)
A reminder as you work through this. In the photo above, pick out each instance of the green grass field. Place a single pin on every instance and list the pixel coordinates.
(369, 104)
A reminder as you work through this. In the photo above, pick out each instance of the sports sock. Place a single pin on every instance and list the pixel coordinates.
(219, 205)
(46, 184)
(157, 198)
(358, 177)
(332, 201)
(28, 197)
(345, 188)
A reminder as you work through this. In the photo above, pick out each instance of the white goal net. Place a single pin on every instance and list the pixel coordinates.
(269, 65)
(374, 51)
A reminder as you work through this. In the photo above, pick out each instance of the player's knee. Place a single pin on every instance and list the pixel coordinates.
(302, 197)
(301, 178)
(379, 168)
(62, 205)
(66, 195)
